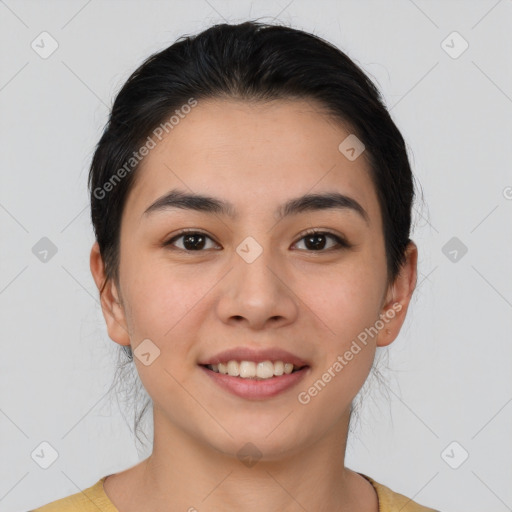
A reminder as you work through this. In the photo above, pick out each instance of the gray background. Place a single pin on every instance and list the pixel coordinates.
(449, 370)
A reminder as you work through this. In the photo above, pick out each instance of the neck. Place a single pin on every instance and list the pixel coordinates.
(193, 476)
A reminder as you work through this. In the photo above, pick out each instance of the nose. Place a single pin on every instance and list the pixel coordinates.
(257, 294)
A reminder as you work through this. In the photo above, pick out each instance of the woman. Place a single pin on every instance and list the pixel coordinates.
(251, 199)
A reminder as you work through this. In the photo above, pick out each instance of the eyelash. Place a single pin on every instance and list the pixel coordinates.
(342, 242)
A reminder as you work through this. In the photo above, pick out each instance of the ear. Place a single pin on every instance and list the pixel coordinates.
(398, 297)
(112, 307)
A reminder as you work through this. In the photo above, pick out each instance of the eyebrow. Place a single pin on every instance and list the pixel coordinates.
(307, 203)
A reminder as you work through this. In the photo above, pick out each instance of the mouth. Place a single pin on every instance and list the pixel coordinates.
(255, 374)
(262, 370)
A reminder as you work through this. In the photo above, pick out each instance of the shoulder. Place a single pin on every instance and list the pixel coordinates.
(91, 499)
(390, 501)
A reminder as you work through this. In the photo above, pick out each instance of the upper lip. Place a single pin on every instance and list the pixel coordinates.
(256, 355)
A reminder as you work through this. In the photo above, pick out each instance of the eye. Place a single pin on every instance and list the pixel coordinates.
(316, 240)
(192, 240)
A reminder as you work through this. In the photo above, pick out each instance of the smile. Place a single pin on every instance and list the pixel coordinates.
(253, 370)
(248, 384)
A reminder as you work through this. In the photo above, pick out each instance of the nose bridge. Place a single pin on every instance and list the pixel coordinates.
(253, 276)
(254, 289)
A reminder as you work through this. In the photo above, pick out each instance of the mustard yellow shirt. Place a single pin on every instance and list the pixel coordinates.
(94, 499)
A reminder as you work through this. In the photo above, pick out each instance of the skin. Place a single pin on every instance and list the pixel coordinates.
(194, 304)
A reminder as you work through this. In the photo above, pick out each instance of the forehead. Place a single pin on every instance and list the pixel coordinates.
(253, 154)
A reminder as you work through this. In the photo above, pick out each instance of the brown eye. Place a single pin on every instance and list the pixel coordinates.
(316, 241)
(192, 241)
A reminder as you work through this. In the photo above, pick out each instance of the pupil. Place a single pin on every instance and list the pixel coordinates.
(315, 245)
(188, 239)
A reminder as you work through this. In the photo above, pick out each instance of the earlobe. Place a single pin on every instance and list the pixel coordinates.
(112, 308)
(398, 298)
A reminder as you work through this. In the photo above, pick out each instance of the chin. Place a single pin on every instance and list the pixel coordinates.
(267, 439)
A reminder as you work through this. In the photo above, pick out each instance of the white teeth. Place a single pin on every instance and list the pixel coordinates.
(233, 368)
(278, 368)
(252, 370)
(247, 369)
(265, 370)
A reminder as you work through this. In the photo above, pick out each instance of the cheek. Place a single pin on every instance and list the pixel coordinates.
(166, 305)
(162, 310)
(346, 300)
(156, 302)
(346, 308)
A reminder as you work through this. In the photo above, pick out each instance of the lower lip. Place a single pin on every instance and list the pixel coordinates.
(256, 389)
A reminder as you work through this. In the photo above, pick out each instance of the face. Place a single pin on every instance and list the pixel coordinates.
(251, 278)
